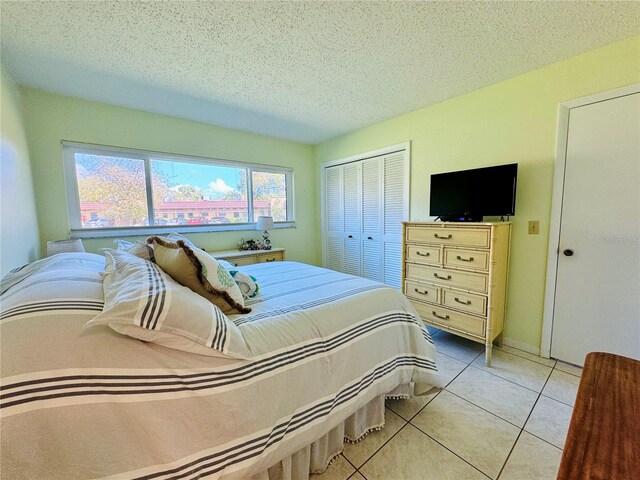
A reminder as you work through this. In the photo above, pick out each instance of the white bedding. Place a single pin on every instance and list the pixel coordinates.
(93, 404)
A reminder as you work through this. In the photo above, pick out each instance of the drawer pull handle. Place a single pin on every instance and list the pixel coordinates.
(369, 238)
(350, 236)
(426, 292)
(419, 253)
(270, 260)
(468, 302)
(446, 317)
(448, 277)
(470, 259)
(448, 237)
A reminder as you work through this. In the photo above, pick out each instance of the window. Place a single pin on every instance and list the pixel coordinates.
(113, 189)
(269, 195)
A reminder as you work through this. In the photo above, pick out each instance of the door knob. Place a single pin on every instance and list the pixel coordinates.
(568, 252)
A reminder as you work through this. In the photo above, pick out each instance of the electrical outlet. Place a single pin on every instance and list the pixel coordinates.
(534, 227)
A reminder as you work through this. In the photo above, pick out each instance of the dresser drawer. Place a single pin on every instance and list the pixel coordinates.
(448, 318)
(423, 254)
(420, 291)
(248, 260)
(451, 278)
(449, 236)
(270, 257)
(465, 301)
(473, 259)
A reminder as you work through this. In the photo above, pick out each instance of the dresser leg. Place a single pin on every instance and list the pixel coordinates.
(487, 354)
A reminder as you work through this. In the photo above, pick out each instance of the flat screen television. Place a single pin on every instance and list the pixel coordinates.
(469, 195)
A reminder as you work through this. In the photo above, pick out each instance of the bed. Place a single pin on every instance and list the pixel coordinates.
(326, 349)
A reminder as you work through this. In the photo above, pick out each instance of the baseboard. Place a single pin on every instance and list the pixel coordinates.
(525, 347)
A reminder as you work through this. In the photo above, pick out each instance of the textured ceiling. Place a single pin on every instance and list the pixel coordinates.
(304, 71)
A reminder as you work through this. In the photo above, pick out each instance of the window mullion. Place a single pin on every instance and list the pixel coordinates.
(250, 195)
(289, 196)
(149, 187)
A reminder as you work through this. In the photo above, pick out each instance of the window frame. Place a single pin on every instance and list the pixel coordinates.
(73, 196)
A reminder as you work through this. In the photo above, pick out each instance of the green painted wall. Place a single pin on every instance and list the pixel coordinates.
(51, 118)
(19, 237)
(512, 121)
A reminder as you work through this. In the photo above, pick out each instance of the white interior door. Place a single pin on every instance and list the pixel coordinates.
(597, 297)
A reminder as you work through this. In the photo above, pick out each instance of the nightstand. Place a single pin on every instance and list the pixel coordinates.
(247, 257)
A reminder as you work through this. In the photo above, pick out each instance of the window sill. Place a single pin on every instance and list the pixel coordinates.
(165, 229)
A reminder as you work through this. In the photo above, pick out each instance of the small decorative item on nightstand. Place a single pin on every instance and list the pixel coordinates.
(265, 224)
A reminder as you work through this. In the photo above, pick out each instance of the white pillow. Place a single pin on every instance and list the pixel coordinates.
(123, 244)
(173, 236)
(225, 264)
(139, 296)
(139, 249)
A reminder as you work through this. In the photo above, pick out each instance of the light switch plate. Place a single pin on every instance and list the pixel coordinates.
(534, 227)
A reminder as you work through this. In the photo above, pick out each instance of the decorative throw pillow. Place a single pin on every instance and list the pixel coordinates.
(246, 283)
(194, 268)
(142, 301)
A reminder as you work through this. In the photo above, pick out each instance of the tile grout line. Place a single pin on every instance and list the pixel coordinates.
(496, 375)
(555, 361)
(556, 400)
(469, 364)
(568, 373)
(485, 410)
(380, 448)
(511, 381)
(408, 422)
(424, 406)
(451, 451)
(524, 425)
(543, 440)
(349, 462)
(429, 402)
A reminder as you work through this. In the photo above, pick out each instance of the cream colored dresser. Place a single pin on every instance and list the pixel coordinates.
(247, 257)
(455, 275)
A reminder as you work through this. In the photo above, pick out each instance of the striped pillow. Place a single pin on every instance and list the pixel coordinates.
(142, 301)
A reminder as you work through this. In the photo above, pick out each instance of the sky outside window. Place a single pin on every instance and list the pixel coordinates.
(215, 182)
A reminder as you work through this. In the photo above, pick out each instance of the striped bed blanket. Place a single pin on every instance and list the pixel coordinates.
(91, 403)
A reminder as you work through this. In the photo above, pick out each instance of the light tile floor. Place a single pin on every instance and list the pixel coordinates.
(506, 422)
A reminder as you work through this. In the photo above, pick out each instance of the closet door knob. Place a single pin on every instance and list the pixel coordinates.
(369, 238)
(350, 236)
(568, 252)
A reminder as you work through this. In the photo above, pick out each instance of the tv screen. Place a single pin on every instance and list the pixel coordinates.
(474, 193)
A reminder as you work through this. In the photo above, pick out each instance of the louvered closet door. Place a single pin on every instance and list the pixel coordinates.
(372, 260)
(351, 182)
(394, 213)
(334, 218)
(366, 203)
